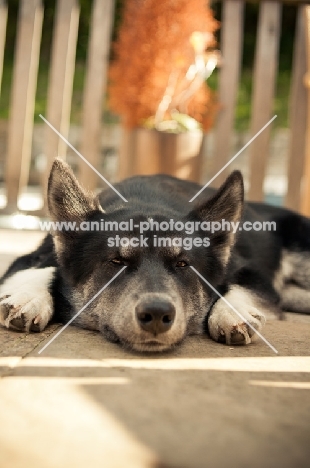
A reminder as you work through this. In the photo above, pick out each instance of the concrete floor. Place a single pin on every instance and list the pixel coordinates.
(85, 402)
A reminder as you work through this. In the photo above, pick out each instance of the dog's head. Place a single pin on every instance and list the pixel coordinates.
(157, 299)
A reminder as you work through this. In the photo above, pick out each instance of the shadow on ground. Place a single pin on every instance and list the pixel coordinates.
(86, 401)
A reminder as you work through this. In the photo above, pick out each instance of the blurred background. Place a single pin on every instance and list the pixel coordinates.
(55, 57)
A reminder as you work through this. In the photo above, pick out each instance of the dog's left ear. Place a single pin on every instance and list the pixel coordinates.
(67, 200)
(227, 205)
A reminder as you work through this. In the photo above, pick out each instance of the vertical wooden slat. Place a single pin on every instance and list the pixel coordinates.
(61, 79)
(23, 99)
(297, 116)
(305, 202)
(127, 145)
(3, 20)
(95, 86)
(266, 60)
(231, 47)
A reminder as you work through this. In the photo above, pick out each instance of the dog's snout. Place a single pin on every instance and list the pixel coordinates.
(155, 316)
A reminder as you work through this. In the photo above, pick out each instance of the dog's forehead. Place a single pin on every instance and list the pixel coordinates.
(173, 251)
(127, 251)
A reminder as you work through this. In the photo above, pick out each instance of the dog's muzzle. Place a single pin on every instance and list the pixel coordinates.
(155, 315)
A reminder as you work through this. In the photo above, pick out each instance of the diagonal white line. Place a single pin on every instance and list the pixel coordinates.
(233, 158)
(82, 157)
(235, 310)
(80, 311)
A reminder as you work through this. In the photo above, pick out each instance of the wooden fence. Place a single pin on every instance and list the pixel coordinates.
(264, 79)
(61, 72)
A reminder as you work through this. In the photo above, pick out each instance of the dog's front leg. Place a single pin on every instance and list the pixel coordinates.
(226, 326)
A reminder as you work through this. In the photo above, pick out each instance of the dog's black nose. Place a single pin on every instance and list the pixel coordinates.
(155, 316)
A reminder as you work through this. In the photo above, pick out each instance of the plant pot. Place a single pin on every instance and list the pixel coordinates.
(146, 152)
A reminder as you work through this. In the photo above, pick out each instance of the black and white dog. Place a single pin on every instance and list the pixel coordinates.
(158, 299)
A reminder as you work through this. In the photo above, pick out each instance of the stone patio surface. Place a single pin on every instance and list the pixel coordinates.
(84, 402)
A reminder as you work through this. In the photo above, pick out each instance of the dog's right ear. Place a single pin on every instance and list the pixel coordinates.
(67, 200)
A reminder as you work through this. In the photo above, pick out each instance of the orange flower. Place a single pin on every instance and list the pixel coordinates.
(156, 45)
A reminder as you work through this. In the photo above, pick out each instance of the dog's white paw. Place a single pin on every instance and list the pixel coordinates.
(226, 326)
(23, 312)
(25, 301)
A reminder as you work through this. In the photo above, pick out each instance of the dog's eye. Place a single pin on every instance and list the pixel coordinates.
(181, 264)
(117, 261)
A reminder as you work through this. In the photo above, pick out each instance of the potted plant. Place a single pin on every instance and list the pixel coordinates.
(162, 57)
